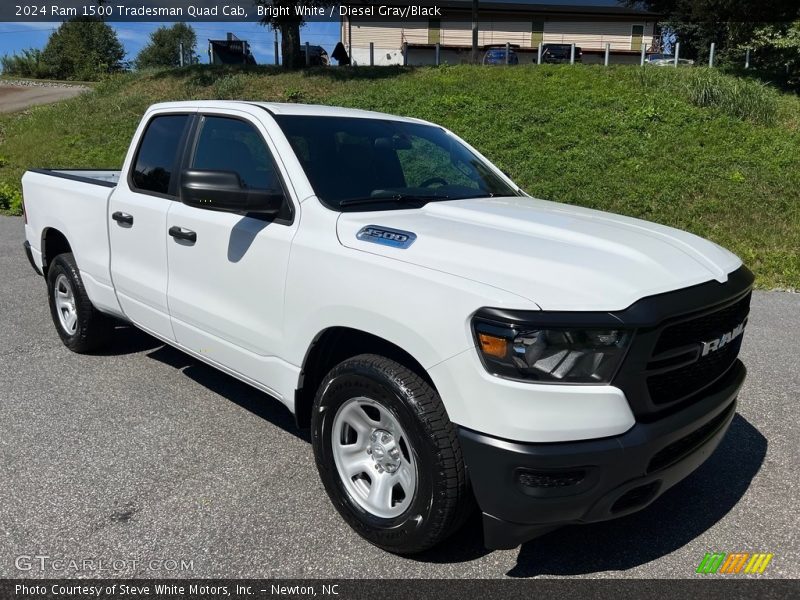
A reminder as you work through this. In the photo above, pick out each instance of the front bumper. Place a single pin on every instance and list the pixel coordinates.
(525, 490)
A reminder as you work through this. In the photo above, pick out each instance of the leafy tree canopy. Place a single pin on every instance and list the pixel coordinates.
(719, 11)
(82, 49)
(768, 27)
(163, 50)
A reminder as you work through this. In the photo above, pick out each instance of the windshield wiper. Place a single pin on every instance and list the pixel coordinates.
(402, 198)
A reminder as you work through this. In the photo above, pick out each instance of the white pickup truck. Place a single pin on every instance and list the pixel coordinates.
(448, 339)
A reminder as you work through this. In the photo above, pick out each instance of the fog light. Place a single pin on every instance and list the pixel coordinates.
(549, 479)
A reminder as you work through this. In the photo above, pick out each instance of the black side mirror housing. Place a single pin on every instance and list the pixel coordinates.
(223, 191)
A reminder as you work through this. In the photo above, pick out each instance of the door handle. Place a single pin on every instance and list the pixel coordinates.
(122, 218)
(183, 234)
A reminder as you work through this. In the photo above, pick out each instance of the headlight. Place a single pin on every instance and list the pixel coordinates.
(550, 354)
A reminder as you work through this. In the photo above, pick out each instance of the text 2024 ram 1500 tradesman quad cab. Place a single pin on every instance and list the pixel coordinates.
(447, 338)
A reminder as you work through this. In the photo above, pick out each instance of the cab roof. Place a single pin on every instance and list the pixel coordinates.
(285, 108)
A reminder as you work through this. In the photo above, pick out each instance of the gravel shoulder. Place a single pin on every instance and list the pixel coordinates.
(15, 96)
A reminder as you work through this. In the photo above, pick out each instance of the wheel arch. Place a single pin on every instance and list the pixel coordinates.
(335, 344)
(54, 242)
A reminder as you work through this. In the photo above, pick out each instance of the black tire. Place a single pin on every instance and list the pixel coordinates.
(93, 329)
(442, 499)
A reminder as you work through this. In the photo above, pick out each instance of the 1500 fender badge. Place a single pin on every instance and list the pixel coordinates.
(395, 238)
(723, 340)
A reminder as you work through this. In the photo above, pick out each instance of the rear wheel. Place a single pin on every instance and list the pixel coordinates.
(80, 326)
(388, 455)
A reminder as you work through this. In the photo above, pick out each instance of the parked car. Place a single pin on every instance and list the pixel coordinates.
(496, 55)
(560, 53)
(667, 60)
(445, 336)
(318, 56)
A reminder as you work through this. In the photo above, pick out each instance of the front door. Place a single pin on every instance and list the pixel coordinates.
(227, 271)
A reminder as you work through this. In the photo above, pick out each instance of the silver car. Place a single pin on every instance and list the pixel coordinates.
(667, 60)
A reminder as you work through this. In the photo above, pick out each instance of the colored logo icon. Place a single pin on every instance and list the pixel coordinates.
(733, 563)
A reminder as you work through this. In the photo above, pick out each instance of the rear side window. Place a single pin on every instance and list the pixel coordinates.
(157, 157)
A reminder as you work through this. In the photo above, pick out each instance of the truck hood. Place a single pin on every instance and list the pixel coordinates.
(558, 256)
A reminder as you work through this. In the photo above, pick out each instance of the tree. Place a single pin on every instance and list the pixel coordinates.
(83, 49)
(163, 50)
(777, 47)
(289, 24)
(28, 63)
(727, 23)
(722, 11)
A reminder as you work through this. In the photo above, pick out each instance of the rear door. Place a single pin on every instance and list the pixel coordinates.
(138, 221)
(226, 281)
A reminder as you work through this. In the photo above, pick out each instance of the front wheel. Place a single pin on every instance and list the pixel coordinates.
(388, 455)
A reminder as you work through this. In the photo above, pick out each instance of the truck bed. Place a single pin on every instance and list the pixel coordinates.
(75, 203)
(104, 177)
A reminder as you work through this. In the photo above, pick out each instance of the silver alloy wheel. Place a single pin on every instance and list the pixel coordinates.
(65, 304)
(374, 457)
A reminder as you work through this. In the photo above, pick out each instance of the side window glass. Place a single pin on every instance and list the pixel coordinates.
(156, 158)
(233, 145)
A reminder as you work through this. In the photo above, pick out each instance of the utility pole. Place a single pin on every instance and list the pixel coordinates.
(475, 32)
(350, 40)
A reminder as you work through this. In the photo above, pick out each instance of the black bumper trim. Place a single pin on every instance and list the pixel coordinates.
(619, 480)
(29, 254)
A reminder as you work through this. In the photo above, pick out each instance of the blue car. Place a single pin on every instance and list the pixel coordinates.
(497, 56)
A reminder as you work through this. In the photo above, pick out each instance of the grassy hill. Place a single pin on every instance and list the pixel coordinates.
(689, 147)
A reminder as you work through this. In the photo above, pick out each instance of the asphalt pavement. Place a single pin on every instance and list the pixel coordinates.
(144, 456)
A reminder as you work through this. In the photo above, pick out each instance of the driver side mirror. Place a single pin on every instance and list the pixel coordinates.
(223, 191)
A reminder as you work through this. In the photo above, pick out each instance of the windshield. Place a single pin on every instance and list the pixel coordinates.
(373, 164)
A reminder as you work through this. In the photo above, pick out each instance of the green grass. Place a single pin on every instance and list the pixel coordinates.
(690, 148)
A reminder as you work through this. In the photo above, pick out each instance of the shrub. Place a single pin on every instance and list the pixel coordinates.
(294, 95)
(740, 98)
(28, 63)
(230, 87)
(10, 199)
